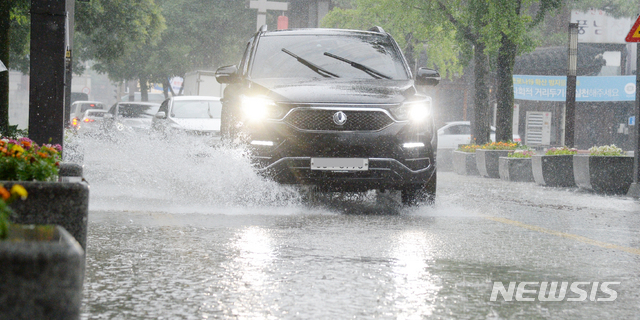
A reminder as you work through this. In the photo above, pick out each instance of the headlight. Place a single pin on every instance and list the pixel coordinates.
(415, 111)
(259, 108)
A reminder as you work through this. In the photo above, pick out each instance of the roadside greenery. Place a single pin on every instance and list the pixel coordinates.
(606, 151)
(521, 153)
(561, 151)
(500, 145)
(24, 160)
(6, 198)
(470, 148)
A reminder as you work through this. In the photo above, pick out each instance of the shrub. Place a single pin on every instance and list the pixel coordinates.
(500, 145)
(6, 197)
(470, 148)
(521, 153)
(561, 151)
(24, 160)
(610, 151)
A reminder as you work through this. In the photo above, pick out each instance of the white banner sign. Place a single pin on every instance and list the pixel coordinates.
(595, 26)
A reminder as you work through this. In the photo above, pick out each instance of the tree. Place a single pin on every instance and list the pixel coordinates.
(468, 19)
(199, 36)
(507, 34)
(14, 43)
(194, 35)
(118, 36)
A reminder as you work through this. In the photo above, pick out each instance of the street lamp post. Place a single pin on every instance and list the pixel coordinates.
(570, 108)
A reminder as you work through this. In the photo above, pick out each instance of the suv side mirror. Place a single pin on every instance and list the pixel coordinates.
(227, 74)
(427, 77)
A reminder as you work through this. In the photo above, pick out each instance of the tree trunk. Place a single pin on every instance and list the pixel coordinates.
(5, 21)
(409, 52)
(480, 127)
(144, 89)
(504, 114)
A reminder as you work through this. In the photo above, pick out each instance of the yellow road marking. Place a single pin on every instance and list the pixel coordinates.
(565, 235)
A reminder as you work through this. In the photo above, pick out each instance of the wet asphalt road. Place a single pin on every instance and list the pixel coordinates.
(360, 258)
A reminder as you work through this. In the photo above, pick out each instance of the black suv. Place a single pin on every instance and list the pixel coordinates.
(335, 109)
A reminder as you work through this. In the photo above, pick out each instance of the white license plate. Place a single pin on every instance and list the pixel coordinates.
(340, 164)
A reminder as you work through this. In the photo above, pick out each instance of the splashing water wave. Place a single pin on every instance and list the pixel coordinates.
(144, 172)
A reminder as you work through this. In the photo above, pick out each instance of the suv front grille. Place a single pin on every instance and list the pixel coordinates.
(322, 120)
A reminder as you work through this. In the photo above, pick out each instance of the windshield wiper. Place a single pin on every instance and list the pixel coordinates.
(310, 65)
(369, 71)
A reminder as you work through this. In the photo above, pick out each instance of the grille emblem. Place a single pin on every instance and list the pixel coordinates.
(339, 118)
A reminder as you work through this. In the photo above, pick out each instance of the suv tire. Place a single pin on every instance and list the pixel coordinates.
(414, 195)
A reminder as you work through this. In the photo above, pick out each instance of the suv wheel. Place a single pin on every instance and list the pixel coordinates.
(414, 195)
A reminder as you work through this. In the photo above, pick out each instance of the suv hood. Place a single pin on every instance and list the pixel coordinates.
(335, 90)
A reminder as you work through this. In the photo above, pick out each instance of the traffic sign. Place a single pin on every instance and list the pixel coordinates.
(634, 33)
(632, 121)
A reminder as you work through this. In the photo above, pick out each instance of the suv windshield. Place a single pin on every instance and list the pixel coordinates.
(367, 51)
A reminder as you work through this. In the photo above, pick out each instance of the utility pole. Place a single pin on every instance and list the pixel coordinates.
(634, 36)
(570, 109)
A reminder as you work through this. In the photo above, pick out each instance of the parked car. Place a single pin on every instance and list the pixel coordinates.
(190, 114)
(130, 116)
(459, 132)
(79, 107)
(334, 109)
(90, 122)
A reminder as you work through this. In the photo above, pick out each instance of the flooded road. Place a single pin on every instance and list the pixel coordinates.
(187, 231)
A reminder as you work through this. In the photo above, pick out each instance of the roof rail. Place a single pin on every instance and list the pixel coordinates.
(377, 29)
(263, 28)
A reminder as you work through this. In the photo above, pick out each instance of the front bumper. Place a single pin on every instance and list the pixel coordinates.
(383, 173)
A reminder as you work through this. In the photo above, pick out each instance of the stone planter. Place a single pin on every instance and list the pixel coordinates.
(57, 203)
(609, 175)
(515, 169)
(41, 274)
(464, 163)
(553, 171)
(487, 162)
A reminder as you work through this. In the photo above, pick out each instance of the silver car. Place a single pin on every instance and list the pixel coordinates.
(189, 114)
(89, 122)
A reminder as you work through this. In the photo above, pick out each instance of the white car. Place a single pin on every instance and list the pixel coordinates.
(459, 132)
(79, 107)
(190, 114)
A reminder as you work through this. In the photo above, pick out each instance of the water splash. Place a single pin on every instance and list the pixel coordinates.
(145, 172)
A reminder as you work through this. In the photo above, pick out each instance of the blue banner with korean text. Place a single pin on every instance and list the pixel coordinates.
(554, 88)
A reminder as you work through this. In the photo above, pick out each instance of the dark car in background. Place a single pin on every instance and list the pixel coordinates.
(130, 116)
(334, 109)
